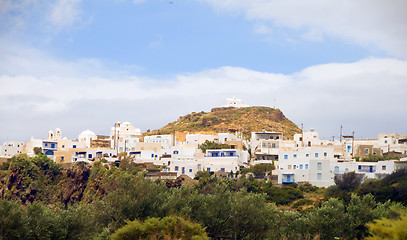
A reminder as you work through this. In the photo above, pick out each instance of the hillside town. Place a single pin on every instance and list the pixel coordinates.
(303, 158)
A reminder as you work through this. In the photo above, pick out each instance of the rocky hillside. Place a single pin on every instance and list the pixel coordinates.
(244, 120)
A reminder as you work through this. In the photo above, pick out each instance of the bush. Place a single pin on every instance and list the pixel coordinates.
(302, 202)
(171, 227)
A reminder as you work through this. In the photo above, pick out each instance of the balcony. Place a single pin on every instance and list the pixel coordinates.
(221, 154)
(288, 178)
(367, 169)
(49, 145)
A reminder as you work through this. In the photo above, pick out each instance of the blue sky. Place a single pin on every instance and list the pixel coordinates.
(77, 64)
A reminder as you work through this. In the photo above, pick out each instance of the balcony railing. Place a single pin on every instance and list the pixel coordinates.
(284, 181)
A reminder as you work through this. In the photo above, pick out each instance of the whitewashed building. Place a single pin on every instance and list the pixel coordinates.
(11, 148)
(235, 102)
(166, 141)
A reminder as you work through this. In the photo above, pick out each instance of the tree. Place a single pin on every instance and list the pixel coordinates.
(12, 221)
(261, 170)
(345, 184)
(37, 150)
(172, 227)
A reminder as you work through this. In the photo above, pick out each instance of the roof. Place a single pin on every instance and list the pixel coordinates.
(87, 132)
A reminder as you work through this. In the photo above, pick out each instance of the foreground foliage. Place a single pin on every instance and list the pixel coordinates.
(171, 227)
(389, 228)
(94, 202)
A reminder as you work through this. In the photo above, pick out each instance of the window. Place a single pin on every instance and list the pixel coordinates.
(346, 170)
(277, 137)
(383, 167)
(46, 144)
(90, 156)
(152, 155)
(183, 170)
(271, 137)
(366, 151)
(295, 155)
(289, 166)
(62, 158)
(176, 168)
(285, 156)
(175, 152)
(208, 169)
(273, 145)
(385, 141)
(222, 169)
(316, 155)
(325, 154)
(359, 167)
(63, 146)
(306, 166)
(74, 146)
(319, 176)
(307, 155)
(190, 170)
(336, 171)
(319, 166)
(301, 166)
(294, 166)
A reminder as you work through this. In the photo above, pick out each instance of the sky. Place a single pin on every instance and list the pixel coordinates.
(78, 65)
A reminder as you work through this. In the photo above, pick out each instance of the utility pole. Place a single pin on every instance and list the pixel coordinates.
(302, 135)
(117, 147)
(353, 140)
(340, 138)
(114, 136)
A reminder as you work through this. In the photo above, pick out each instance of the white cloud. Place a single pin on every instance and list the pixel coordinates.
(364, 95)
(366, 22)
(262, 29)
(65, 12)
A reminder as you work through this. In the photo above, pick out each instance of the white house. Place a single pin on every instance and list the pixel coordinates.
(122, 134)
(265, 146)
(11, 148)
(166, 141)
(306, 164)
(235, 102)
(86, 136)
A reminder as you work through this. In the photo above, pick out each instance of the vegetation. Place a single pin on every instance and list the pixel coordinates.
(393, 187)
(171, 227)
(39, 200)
(376, 158)
(345, 185)
(213, 145)
(389, 228)
(244, 120)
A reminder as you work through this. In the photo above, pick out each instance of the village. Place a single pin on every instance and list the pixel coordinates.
(303, 159)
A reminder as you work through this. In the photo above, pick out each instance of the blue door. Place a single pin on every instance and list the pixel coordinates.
(288, 178)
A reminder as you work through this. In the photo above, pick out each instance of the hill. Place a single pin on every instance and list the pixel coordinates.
(230, 119)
